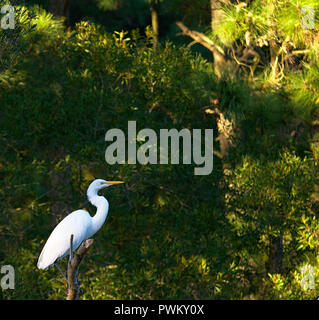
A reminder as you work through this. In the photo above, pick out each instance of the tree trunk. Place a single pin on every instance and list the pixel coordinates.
(60, 8)
(73, 268)
(275, 255)
(217, 14)
(155, 23)
(220, 63)
(226, 133)
(225, 125)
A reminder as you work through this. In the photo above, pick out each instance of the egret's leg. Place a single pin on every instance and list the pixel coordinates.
(78, 283)
(70, 255)
(59, 268)
(67, 266)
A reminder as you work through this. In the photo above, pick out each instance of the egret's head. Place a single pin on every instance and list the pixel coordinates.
(99, 184)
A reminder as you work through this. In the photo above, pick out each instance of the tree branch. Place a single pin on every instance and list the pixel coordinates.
(73, 268)
(202, 39)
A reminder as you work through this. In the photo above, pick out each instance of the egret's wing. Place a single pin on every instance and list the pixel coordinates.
(58, 244)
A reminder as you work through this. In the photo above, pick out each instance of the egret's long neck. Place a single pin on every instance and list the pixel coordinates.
(98, 219)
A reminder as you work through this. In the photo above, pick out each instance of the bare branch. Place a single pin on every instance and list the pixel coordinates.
(71, 247)
(73, 268)
(202, 39)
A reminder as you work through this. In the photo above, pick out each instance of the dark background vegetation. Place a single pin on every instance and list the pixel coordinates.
(243, 232)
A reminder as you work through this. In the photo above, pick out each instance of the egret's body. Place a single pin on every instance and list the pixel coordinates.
(79, 223)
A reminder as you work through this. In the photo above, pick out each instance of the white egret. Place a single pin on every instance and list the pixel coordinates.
(79, 223)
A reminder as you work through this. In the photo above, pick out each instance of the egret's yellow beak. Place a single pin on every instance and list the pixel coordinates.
(114, 182)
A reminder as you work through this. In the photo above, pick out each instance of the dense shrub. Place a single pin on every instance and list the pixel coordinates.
(169, 234)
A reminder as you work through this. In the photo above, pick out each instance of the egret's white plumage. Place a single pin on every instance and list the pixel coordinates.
(79, 223)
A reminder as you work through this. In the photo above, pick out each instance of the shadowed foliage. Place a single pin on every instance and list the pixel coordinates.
(169, 234)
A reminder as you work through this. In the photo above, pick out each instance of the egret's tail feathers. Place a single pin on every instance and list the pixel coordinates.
(41, 264)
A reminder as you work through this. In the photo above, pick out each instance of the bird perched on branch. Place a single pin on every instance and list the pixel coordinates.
(79, 223)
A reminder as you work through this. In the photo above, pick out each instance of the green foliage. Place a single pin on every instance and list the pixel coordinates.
(304, 89)
(70, 89)
(169, 234)
(290, 17)
(271, 199)
(281, 199)
(235, 24)
(11, 44)
(265, 21)
(268, 39)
